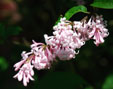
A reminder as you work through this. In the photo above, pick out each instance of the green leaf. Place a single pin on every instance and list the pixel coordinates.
(58, 19)
(108, 83)
(105, 4)
(3, 63)
(75, 10)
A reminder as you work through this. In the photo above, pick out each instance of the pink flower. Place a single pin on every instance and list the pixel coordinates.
(63, 24)
(49, 54)
(78, 42)
(98, 30)
(82, 29)
(25, 73)
(64, 40)
(68, 36)
(19, 64)
(77, 25)
(65, 53)
(42, 57)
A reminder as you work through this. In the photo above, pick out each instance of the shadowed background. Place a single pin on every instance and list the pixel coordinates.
(22, 21)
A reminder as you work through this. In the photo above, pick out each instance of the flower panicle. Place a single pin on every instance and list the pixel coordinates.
(67, 38)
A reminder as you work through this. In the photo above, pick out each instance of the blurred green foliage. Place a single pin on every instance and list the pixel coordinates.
(7, 31)
(3, 64)
(103, 4)
(62, 80)
(108, 83)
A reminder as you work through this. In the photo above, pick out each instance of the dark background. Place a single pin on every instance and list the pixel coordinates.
(91, 69)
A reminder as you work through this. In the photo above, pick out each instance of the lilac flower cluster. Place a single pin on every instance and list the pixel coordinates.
(67, 37)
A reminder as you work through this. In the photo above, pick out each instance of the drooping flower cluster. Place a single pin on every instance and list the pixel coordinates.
(67, 37)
